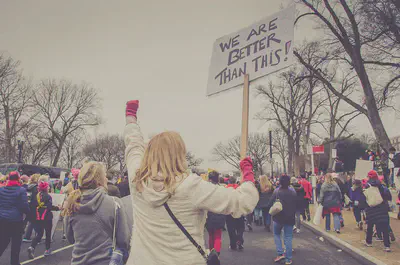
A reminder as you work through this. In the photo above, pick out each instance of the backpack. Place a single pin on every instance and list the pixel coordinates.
(373, 196)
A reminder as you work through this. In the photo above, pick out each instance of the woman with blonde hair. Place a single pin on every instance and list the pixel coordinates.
(266, 191)
(331, 198)
(31, 217)
(165, 195)
(89, 209)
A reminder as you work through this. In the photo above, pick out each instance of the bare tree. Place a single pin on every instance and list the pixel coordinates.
(192, 161)
(36, 144)
(108, 149)
(258, 149)
(280, 145)
(72, 154)
(64, 108)
(15, 94)
(347, 43)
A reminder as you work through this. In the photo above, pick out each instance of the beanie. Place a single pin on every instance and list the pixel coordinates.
(372, 174)
(13, 175)
(43, 186)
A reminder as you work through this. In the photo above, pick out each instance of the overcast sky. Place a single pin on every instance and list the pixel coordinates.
(152, 50)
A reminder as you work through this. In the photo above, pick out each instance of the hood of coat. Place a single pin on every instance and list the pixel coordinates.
(91, 200)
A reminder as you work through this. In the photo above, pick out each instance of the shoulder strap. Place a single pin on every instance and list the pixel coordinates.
(183, 229)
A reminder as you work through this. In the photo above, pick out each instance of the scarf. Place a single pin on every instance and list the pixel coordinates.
(13, 183)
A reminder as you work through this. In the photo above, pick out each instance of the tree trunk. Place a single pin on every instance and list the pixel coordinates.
(10, 158)
(290, 155)
(58, 153)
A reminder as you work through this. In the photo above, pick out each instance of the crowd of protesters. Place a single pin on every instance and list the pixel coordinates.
(159, 211)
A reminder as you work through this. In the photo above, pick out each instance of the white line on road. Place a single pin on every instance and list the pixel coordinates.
(41, 257)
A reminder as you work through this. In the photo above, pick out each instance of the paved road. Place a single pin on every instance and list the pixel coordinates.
(259, 249)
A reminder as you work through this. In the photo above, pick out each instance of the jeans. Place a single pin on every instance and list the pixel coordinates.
(357, 214)
(266, 217)
(11, 231)
(258, 215)
(287, 239)
(336, 222)
(40, 228)
(381, 228)
(298, 221)
(235, 230)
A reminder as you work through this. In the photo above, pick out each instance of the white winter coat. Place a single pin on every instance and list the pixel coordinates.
(156, 240)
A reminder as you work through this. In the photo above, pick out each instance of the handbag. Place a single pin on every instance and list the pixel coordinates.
(117, 255)
(318, 215)
(373, 196)
(212, 258)
(276, 207)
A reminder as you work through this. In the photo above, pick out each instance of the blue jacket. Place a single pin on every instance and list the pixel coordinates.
(13, 204)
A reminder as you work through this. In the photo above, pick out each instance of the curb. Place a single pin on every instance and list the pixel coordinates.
(356, 253)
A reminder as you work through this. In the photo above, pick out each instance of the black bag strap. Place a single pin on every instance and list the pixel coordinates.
(183, 229)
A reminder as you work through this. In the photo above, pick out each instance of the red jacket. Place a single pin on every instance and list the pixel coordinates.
(232, 186)
(307, 188)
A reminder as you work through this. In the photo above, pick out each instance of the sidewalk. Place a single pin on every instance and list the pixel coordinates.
(354, 237)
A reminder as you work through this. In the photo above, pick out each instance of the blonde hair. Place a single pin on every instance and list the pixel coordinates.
(329, 178)
(44, 178)
(34, 179)
(91, 176)
(164, 156)
(265, 184)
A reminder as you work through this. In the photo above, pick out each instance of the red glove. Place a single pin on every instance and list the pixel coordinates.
(246, 166)
(131, 108)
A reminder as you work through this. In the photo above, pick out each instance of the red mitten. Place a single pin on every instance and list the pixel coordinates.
(246, 166)
(131, 108)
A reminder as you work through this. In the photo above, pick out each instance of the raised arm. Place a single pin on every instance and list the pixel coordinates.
(134, 142)
(218, 199)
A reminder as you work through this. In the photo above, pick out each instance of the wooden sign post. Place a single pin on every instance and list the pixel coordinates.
(245, 117)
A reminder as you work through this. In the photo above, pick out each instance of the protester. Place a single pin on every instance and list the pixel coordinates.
(13, 205)
(44, 218)
(378, 215)
(307, 197)
(331, 199)
(112, 189)
(31, 217)
(358, 201)
(24, 181)
(300, 203)
(158, 175)
(266, 191)
(215, 222)
(124, 186)
(285, 219)
(73, 182)
(3, 180)
(89, 208)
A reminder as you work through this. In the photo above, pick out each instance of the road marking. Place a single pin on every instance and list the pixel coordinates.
(42, 256)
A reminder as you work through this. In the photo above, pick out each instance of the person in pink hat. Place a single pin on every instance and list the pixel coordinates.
(378, 215)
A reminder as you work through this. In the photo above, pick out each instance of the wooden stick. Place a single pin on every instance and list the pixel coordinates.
(245, 117)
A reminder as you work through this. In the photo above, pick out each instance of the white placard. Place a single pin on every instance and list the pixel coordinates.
(334, 153)
(362, 168)
(258, 50)
(58, 199)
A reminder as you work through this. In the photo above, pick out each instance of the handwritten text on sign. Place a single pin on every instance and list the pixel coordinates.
(258, 50)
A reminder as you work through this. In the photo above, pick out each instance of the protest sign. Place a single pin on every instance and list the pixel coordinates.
(362, 168)
(58, 200)
(260, 49)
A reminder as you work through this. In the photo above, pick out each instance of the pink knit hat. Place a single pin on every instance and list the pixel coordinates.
(43, 186)
(75, 172)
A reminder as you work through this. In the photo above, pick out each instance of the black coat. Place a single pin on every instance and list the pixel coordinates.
(264, 199)
(288, 199)
(215, 221)
(300, 193)
(379, 213)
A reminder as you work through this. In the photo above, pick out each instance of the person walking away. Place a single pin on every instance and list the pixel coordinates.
(331, 199)
(89, 208)
(112, 189)
(285, 219)
(215, 222)
(307, 197)
(31, 217)
(300, 203)
(235, 226)
(160, 181)
(44, 219)
(358, 201)
(124, 186)
(343, 191)
(13, 205)
(266, 191)
(25, 181)
(378, 215)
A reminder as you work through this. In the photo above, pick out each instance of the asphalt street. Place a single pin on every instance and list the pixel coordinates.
(259, 249)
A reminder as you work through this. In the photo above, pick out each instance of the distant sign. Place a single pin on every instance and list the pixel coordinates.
(319, 149)
(263, 48)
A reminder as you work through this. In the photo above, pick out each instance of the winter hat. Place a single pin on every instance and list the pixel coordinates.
(75, 172)
(43, 186)
(293, 180)
(284, 181)
(13, 175)
(372, 174)
(381, 178)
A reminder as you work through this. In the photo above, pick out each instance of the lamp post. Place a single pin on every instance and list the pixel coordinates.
(20, 148)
